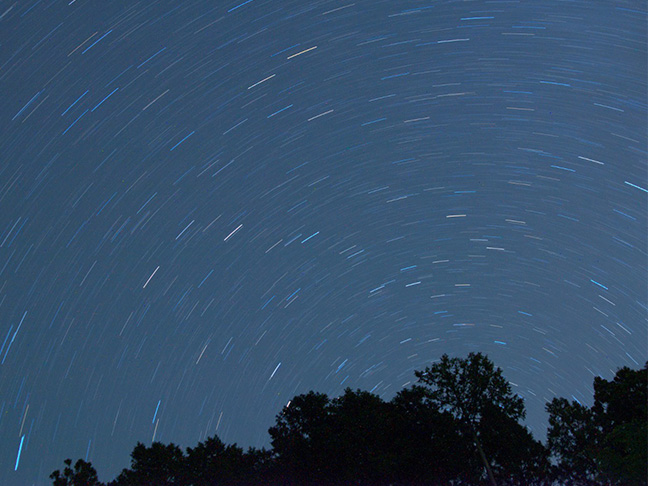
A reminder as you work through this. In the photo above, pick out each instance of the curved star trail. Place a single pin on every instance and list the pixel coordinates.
(209, 207)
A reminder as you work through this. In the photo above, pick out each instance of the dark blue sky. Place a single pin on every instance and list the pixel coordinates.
(209, 207)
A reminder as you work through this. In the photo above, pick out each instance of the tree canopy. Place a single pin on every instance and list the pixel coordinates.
(472, 389)
(459, 424)
(467, 387)
(607, 443)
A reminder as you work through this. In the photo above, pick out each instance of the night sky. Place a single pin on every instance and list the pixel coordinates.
(207, 208)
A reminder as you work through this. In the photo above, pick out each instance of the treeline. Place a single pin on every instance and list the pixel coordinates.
(458, 425)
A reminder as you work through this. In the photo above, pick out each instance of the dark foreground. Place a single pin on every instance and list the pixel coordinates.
(459, 425)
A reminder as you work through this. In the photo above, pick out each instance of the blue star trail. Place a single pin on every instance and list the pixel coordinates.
(207, 208)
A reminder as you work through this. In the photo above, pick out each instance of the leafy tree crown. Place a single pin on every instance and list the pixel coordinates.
(467, 386)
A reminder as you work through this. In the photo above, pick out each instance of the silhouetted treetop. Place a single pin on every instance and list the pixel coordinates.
(466, 387)
(458, 425)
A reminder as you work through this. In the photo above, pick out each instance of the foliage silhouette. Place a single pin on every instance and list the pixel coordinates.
(572, 438)
(459, 425)
(607, 443)
(301, 436)
(516, 457)
(467, 388)
(430, 448)
(158, 465)
(83, 474)
(620, 410)
(212, 462)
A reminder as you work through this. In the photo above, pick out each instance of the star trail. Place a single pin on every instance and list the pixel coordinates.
(207, 208)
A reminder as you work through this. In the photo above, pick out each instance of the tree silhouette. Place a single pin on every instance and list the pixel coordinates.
(83, 474)
(621, 414)
(158, 465)
(211, 463)
(460, 420)
(427, 442)
(516, 457)
(346, 439)
(301, 436)
(608, 442)
(572, 439)
(362, 436)
(466, 388)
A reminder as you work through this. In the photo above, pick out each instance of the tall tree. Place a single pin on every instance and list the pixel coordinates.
(607, 443)
(429, 446)
(466, 388)
(621, 412)
(572, 439)
(361, 438)
(301, 436)
(515, 456)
